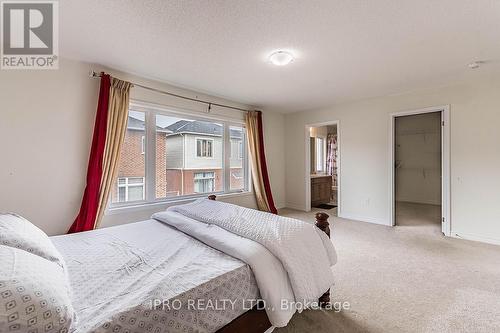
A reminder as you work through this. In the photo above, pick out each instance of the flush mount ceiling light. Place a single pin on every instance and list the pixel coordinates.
(475, 64)
(281, 58)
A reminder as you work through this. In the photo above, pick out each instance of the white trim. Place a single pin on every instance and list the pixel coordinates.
(474, 237)
(150, 158)
(293, 206)
(140, 206)
(226, 159)
(308, 166)
(364, 219)
(445, 153)
(151, 111)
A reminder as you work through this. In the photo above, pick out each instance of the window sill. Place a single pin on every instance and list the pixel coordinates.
(168, 203)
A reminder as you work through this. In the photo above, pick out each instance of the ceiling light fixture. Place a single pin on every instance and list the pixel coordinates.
(475, 64)
(281, 58)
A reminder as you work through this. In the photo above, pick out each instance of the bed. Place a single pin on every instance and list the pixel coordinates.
(174, 274)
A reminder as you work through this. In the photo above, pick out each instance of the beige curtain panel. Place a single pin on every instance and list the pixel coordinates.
(262, 188)
(119, 97)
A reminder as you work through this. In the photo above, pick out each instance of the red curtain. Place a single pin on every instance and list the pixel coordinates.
(263, 166)
(86, 217)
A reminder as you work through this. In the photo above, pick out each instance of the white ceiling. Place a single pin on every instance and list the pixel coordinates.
(346, 49)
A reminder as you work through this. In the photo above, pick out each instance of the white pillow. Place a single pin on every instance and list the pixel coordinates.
(16, 231)
(34, 294)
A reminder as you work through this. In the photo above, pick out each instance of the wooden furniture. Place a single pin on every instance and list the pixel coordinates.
(256, 320)
(321, 189)
(322, 223)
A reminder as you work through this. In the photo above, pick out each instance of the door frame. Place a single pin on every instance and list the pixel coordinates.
(308, 163)
(445, 163)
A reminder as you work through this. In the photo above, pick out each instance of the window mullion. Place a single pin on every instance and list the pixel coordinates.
(246, 161)
(227, 156)
(150, 181)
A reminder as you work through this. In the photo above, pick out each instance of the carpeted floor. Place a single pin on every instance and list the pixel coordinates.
(407, 279)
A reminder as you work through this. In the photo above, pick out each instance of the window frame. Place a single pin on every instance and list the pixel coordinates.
(153, 109)
(126, 186)
(240, 149)
(204, 178)
(322, 159)
(211, 147)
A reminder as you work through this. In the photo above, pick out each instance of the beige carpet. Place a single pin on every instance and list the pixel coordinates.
(407, 279)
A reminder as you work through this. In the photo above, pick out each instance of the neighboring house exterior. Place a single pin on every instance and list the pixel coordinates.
(188, 160)
(194, 158)
(130, 185)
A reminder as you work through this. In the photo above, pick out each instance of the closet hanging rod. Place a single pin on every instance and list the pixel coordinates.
(95, 75)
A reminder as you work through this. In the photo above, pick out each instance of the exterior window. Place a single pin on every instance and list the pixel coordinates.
(237, 161)
(204, 148)
(237, 149)
(240, 150)
(320, 154)
(193, 156)
(237, 175)
(130, 189)
(130, 182)
(204, 182)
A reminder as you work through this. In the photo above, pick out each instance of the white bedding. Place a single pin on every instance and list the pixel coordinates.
(117, 273)
(291, 259)
(271, 277)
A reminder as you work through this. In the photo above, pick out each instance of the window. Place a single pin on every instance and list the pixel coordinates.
(320, 154)
(204, 148)
(191, 156)
(237, 165)
(130, 189)
(204, 182)
(130, 184)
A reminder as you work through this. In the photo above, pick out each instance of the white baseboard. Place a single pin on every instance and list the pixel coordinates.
(422, 202)
(474, 237)
(294, 206)
(364, 219)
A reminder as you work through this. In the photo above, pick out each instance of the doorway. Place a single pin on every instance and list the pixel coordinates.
(420, 169)
(323, 167)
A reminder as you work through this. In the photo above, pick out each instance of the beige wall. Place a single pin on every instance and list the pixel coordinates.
(46, 121)
(364, 155)
(46, 125)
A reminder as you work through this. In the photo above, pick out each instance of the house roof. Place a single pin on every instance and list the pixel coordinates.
(199, 127)
(139, 125)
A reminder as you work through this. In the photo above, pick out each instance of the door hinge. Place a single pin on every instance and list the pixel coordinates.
(442, 219)
(442, 123)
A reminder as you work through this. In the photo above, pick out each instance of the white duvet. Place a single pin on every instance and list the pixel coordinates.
(291, 259)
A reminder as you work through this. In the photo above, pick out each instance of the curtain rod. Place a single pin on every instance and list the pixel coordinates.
(95, 75)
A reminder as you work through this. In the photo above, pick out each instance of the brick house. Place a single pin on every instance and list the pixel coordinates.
(194, 158)
(130, 185)
(191, 164)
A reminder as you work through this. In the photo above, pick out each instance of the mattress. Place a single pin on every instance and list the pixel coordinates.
(150, 277)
